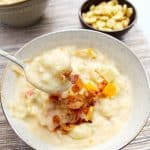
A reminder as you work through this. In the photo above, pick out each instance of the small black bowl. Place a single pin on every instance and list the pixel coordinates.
(117, 33)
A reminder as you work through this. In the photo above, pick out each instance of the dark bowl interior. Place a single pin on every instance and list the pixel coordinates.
(117, 33)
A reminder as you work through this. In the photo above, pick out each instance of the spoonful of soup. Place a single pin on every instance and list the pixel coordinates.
(48, 72)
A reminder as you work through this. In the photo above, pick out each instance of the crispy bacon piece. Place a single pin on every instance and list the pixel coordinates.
(67, 74)
(102, 85)
(76, 105)
(91, 98)
(56, 121)
(77, 82)
(90, 94)
(85, 109)
(75, 116)
(75, 88)
(64, 75)
(74, 78)
(55, 98)
(74, 102)
(80, 83)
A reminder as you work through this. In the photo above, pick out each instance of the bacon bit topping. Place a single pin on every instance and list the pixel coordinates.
(74, 102)
(67, 74)
(56, 121)
(90, 94)
(29, 93)
(102, 85)
(75, 88)
(78, 106)
(76, 116)
(80, 83)
(85, 110)
(55, 98)
(74, 78)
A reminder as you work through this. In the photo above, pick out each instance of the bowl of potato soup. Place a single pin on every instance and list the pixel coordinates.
(99, 93)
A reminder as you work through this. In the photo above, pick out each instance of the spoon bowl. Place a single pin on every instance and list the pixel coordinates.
(30, 75)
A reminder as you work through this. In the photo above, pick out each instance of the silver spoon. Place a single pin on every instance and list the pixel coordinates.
(27, 74)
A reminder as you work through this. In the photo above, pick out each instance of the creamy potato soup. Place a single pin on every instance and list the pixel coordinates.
(48, 72)
(7, 2)
(90, 111)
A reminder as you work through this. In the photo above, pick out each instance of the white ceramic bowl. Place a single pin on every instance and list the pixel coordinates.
(23, 13)
(116, 50)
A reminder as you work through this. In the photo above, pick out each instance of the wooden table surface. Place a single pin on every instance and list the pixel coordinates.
(60, 15)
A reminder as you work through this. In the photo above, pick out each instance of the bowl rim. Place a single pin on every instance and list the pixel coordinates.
(105, 31)
(14, 4)
(125, 143)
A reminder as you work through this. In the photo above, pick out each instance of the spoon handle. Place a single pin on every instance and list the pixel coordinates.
(11, 58)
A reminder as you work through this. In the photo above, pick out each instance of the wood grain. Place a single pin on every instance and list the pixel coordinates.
(60, 15)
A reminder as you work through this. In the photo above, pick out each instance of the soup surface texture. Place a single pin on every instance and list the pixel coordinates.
(91, 111)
